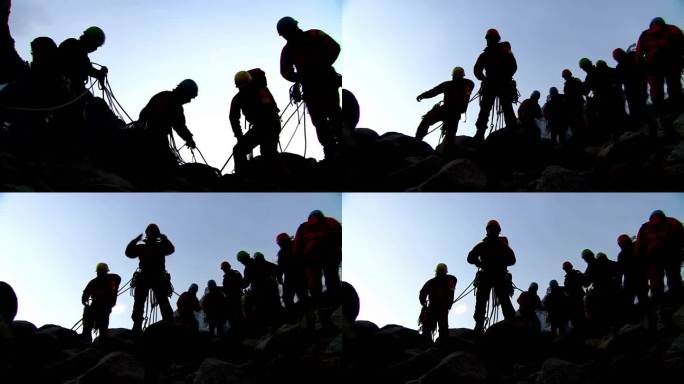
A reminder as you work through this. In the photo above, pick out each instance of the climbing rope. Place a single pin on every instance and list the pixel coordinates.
(47, 109)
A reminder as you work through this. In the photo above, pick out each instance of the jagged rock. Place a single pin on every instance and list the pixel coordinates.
(395, 143)
(457, 175)
(460, 367)
(678, 318)
(365, 137)
(414, 174)
(418, 365)
(463, 147)
(351, 111)
(556, 371)
(74, 365)
(288, 337)
(628, 338)
(64, 338)
(115, 368)
(8, 302)
(558, 179)
(215, 371)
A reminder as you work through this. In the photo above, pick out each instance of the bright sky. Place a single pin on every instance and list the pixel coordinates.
(389, 258)
(50, 243)
(152, 45)
(396, 49)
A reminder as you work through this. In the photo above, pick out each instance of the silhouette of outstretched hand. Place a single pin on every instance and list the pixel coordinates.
(419, 98)
(139, 237)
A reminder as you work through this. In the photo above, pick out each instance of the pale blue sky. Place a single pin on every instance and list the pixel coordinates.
(392, 242)
(50, 243)
(396, 49)
(152, 45)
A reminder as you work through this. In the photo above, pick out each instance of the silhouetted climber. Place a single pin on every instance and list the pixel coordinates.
(662, 46)
(589, 90)
(11, 64)
(457, 93)
(528, 113)
(573, 89)
(232, 288)
(318, 244)
(529, 302)
(163, 113)
(556, 304)
(293, 277)
(214, 306)
(556, 114)
(308, 59)
(102, 291)
(659, 242)
(249, 276)
(437, 297)
(600, 295)
(635, 283)
(495, 68)
(265, 289)
(188, 304)
(46, 83)
(574, 288)
(75, 63)
(492, 256)
(609, 99)
(151, 273)
(631, 72)
(256, 102)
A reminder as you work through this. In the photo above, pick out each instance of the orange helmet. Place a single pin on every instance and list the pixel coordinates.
(493, 34)
(624, 239)
(225, 265)
(493, 223)
(283, 237)
(566, 73)
(567, 265)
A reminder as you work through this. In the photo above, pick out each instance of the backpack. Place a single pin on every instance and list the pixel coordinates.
(258, 77)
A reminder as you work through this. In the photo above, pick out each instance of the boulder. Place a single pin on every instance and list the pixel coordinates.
(458, 367)
(64, 338)
(287, 338)
(556, 371)
(75, 365)
(350, 302)
(558, 179)
(417, 171)
(457, 175)
(417, 365)
(215, 371)
(8, 302)
(115, 368)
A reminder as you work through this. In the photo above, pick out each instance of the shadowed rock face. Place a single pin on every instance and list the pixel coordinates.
(511, 353)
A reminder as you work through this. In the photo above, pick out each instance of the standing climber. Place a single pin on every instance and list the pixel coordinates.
(256, 102)
(633, 269)
(574, 288)
(659, 242)
(492, 256)
(528, 113)
(556, 114)
(151, 273)
(214, 306)
(662, 47)
(457, 93)
(495, 68)
(293, 277)
(232, 289)
(76, 65)
(556, 304)
(187, 305)
(437, 297)
(573, 89)
(162, 114)
(102, 291)
(631, 73)
(265, 288)
(307, 59)
(529, 303)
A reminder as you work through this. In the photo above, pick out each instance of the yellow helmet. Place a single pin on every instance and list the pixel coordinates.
(458, 72)
(242, 78)
(102, 268)
(441, 269)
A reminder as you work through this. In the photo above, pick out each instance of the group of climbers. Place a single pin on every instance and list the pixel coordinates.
(592, 110)
(306, 59)
(249, 302)
(607, 294)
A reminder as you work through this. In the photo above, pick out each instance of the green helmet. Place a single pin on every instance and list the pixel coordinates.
(258, 256)
(587, 253)
(584, 62)
(242, 255)
(441, 269)
(95, 34)
(458, 72)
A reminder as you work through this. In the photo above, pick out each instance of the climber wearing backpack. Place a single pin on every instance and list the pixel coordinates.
(492, 256)
(102, 291)
(256, 102)
(495, 67)
(437, 297)
(457, 93)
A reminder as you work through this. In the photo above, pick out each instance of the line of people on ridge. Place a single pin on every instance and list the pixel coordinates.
(608, 293)
(59, 74)
(592, 110)
(251, 304)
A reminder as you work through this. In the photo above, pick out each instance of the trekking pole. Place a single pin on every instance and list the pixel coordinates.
(226, 163)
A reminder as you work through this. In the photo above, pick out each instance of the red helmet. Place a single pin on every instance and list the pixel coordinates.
(567, 265)
(566, 73)
(618, 54)
(493, 34)
(624, 239)
(225, 265)
(283, 237)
